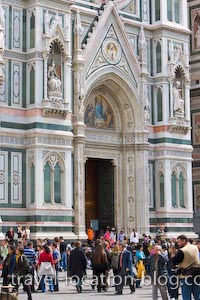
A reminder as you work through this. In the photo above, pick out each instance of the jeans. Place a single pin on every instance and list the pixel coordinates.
(63, 261)
(49, 280)
(189, 287)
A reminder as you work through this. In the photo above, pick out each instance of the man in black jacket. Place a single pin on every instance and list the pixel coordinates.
(77, 265)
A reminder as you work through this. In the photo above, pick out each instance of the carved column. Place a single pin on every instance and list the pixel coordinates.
(171, 98)
(141, 189)
(45, 56)
(79, 182)
(67, 81)
(187, 101)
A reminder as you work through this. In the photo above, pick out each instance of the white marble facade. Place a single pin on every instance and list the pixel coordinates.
(101, 80)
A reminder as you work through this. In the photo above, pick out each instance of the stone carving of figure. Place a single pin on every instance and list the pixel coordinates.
(197, 37)
(146, 113)
(54, 82)
(178, 101)
(111, 50)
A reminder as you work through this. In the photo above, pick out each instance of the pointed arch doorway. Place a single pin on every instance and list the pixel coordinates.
(99, 192)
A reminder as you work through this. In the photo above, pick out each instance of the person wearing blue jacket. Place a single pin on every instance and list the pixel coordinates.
(125, 271)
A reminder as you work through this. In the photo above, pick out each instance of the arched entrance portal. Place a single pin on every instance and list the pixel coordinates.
(99, 193)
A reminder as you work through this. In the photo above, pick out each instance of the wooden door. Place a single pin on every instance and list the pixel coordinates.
(91, 200)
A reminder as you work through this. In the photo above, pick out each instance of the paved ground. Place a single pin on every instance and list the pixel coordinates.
(68, 291)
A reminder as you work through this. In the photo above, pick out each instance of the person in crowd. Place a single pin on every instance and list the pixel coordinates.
(158, 273)
(39, 250)
(46, 256)
(21, 272)
(121, 236)
(27, 232)
(100, 266)
(114, 260)
(10, 235)
(29, 252)
(146, 250)
(90, 236)
(77, 265)
(186, 257)
(4, 249)
(8, 265)
(106, 247)
(125, 270)
(106, 235)
(63, 253)
(160, 234)
(173, 282)
(95, 244)
(56, 259)
(198, 245)
(19, 233)
(139, 263)
(113, 236)
(134, 237)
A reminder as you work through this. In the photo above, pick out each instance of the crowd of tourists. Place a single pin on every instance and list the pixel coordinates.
(170, 266)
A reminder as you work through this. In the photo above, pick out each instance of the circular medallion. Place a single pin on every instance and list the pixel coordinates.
(112, 51)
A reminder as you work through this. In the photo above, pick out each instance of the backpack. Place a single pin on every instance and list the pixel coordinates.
(27, 266)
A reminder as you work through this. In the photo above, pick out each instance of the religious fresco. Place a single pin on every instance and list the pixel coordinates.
(99, 114)
(196, 29)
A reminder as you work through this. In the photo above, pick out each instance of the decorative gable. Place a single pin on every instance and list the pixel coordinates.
(112, 49)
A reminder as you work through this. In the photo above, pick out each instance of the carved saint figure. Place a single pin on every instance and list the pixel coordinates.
(178, 101)
(197, 37)
(111, 50)
(54, 82)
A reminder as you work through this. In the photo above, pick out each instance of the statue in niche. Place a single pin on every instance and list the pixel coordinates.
(54, 82)
(178, 100)
(146, 113)
(197, 37)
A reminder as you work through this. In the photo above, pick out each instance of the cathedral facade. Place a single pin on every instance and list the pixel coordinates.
(95, 122)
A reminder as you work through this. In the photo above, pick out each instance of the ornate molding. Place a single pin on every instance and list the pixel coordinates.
(179, 125)
(55, 108)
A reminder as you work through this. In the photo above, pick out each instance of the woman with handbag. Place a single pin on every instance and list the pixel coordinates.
(46, 268)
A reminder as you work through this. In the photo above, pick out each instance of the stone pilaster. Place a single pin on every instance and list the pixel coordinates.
(79, 181)
(141, 190)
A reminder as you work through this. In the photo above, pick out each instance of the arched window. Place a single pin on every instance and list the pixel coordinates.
(178, 190)
(159, 106)
(32, 86)
(158, 58)
(47, 183)
(174, 190)
(162, 192)
(181, 190)
(53, 181)
(57, 184)
(32, 183)
(32, 31)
